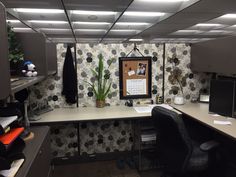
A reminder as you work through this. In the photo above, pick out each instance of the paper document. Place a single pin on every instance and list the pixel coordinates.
(215, 115)
(16, 164)
(130, 73)
(136, 86)
(165, 106)
(5, 121)
(144, 109)
(222, 122)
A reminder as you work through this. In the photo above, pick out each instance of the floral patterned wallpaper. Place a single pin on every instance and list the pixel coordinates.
(110, 136)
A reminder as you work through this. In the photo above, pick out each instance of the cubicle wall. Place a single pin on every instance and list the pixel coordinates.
(217, 56)
(51, 54)
(4, 63)
(106, 136)
(34, 49)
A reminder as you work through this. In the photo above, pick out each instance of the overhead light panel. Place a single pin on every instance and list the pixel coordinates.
(135, 40)
(22, 29)
(229, 16)
(54, 29)
(131, 23)
(123, 30)
(208, 24)
(219, 31)
(144, 14)
(84, 12)
(46, 21)
(41, 11)
(188, 31)
(13, 21)
(91, 30)
(91, 23)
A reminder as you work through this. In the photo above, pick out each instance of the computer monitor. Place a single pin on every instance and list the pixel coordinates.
(222, 96)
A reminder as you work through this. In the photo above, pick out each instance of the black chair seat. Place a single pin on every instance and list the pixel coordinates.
(177, 152)
(198, 161)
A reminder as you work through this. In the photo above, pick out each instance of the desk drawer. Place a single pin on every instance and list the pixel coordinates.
(42, 162)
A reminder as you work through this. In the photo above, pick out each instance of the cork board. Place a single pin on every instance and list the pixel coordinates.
(135, 77)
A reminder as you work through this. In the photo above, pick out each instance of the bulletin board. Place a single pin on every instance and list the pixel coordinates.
(135, 77)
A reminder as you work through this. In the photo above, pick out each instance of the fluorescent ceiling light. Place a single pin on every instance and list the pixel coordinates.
(164, 0)
(84, 12)
(91, 23)
(13, 21)
(229, 16)
(44, 11)
(144, 14)
(208, 24)
(46, 21)
(188, 31)
(135, 40)
(54, 29)
(91, 30)
(22, 29)
(131, 23)
(123, 30)
(219, 31)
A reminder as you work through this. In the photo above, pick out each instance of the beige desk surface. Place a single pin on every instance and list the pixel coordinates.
(89, 114)
(199, 111)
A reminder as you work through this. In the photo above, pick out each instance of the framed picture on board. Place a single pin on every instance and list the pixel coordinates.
(135, 77)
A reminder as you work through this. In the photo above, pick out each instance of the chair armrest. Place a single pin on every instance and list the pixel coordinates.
(209, 145)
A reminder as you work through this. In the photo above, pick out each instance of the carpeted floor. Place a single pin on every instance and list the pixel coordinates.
(99, 169)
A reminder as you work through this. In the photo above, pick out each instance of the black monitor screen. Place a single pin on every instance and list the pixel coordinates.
(221, 97)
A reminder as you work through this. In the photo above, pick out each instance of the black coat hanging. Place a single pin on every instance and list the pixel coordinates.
(69, 78)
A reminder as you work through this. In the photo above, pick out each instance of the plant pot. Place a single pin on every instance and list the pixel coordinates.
(100, 103)
(179, 100)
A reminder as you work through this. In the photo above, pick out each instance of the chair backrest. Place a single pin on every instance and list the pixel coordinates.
(174, 145)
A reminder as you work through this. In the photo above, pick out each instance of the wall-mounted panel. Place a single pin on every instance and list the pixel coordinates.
(217, 56)
(34, 48)
(51, 54)
(4, 63)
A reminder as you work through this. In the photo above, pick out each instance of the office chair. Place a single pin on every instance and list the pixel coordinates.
(179, 154)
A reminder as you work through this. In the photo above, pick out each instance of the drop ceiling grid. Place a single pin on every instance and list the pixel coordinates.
(195, 16)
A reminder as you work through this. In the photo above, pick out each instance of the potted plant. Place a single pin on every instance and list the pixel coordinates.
(101, 87)
(16, 56)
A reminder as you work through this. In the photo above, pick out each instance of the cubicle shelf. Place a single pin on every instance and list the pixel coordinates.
(51, 73)
(25, 82)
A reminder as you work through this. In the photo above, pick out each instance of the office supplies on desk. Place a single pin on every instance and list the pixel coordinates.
(222, 122)
(5, 121)
(204, 98)
(9, 137)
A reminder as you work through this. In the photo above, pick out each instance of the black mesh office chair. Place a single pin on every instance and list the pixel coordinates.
(179, 154)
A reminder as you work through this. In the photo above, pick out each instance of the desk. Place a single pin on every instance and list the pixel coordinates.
(199, 112)
(90, 114)
(37, 154)
(81, 115)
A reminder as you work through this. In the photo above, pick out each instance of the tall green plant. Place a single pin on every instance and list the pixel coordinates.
(101, 87)
(15, 52)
